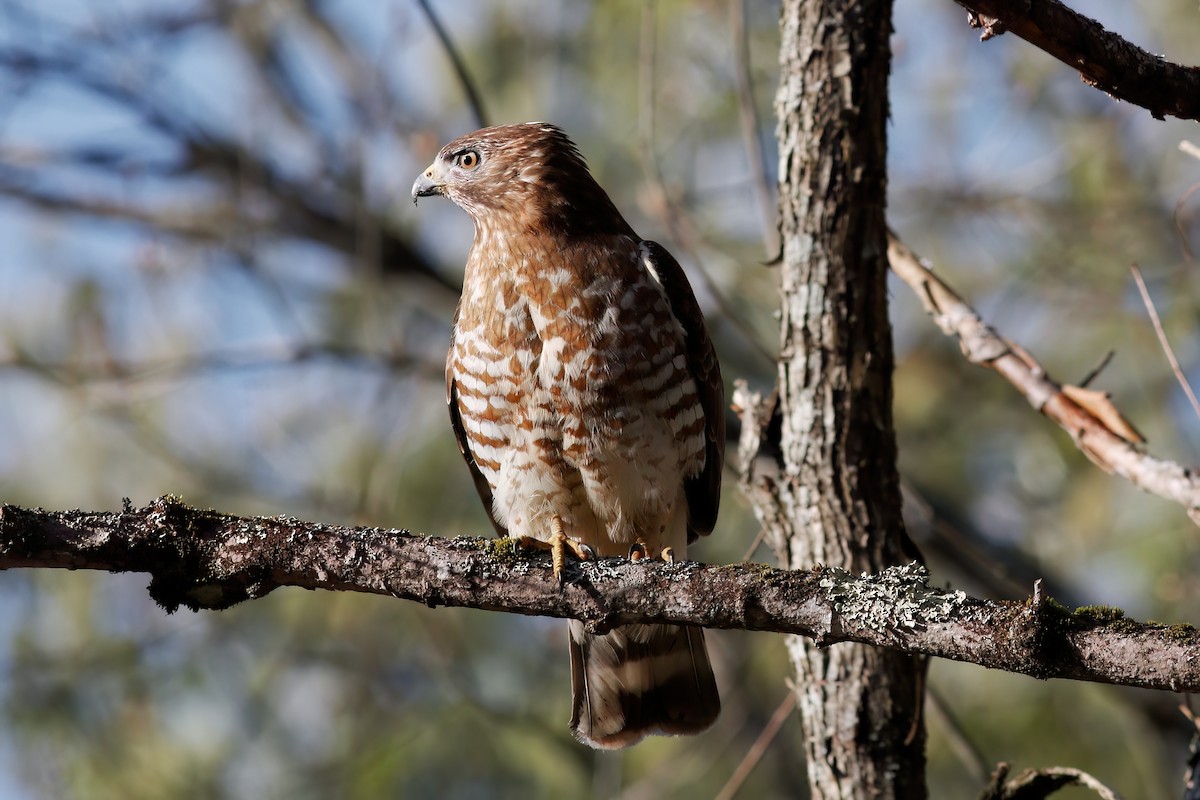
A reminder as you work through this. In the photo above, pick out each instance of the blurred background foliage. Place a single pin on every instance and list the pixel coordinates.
(212, 284)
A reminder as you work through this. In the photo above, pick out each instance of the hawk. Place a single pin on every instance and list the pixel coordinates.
(586, 397)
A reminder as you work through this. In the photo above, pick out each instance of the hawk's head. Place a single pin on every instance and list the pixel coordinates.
(521, 177)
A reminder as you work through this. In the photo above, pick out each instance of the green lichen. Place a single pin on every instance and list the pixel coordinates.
(505, 550)
(1091, 616)
(1050, 605)
(1124, 625)
(1114, 619)
(1182, 632)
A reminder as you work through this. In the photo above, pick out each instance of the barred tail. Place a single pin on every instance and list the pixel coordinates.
(639, 680)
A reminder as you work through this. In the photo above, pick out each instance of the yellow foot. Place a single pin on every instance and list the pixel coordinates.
(558, 545)
(639, 550)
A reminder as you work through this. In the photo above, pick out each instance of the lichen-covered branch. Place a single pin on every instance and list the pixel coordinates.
(1104, 59)
(205, 559)
(1093, 421)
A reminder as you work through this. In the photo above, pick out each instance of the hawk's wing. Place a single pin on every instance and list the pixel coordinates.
(464, 446)
(703, 490)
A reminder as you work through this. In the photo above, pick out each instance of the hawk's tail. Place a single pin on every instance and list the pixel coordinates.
(639, 680)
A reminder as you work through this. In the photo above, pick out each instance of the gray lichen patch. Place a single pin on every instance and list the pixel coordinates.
(893, 600)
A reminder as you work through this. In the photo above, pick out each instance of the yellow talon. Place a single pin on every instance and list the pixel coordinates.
(558, 545)
(639, 550)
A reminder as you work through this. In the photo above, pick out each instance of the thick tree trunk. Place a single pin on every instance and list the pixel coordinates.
(836, 495)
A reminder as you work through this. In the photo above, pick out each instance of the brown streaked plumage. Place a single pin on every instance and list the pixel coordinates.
(586, 397)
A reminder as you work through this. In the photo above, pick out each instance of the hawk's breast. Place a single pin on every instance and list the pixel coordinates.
(575, 394)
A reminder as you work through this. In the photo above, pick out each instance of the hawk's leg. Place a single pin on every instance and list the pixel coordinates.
(558, 545)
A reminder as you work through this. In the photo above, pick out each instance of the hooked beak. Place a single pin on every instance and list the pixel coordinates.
(428, 183)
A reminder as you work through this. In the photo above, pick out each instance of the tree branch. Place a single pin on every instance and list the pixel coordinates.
(205, 559)
(81, 371)
(456, 61)
(1033, 784)
(1104, 59)
(1095, 424)
(256, 195)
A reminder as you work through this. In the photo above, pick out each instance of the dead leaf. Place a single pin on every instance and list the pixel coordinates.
(1100, 406)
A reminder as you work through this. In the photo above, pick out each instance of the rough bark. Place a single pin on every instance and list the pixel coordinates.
(833, 497)
(207, 560)
(1104, 59)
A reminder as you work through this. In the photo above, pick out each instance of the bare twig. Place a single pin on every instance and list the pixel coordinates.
(1090, 419)
(1162, 339)
(205, 559)
(1039, 783)
(1177, 217)
(961, 743)
(748, 119)
(73, 373)
(1104, 59)
(676, 227)
(1095, 371)
(267, 199)
(1191, 780)
(756, 751)
(754, 545)
(460, 67)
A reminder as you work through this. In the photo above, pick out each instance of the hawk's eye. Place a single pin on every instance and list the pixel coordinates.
(468, 159)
